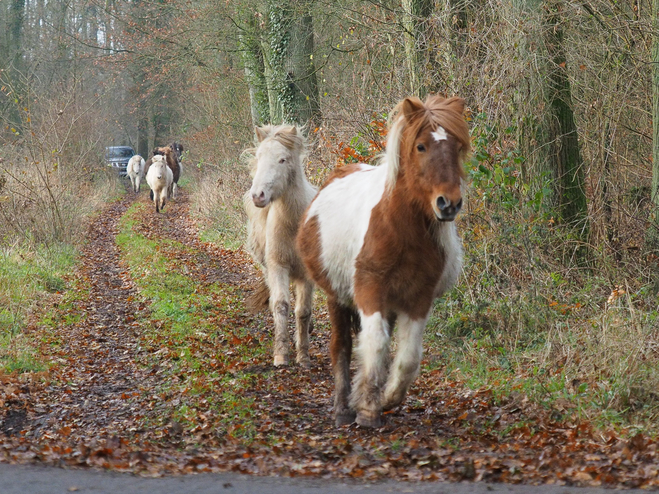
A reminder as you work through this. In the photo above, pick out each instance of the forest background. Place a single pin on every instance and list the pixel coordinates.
(558, 297)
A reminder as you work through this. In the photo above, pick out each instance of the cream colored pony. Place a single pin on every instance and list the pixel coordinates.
(135, 171)
(279, 195)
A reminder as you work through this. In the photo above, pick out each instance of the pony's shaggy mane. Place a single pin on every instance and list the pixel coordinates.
(437, 111)
(290, 136)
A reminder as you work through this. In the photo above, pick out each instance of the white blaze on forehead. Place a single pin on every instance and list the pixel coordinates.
(439, 134)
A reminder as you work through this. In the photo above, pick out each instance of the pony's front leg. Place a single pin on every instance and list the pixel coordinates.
(373, 351)
(407, 361)
(303, 305)
(340, 351)
(163, 200)
(278, 282)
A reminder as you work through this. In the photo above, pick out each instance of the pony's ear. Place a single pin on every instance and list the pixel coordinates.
(260, 134)
(458, 104)
(291, 131)
(412, 107)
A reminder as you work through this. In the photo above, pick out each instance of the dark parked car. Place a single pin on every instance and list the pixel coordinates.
(118, 157)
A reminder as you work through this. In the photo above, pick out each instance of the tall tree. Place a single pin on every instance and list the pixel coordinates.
(251, 47)
(655, 110)
(301, 69)
(419, 58)
(11, 58)
(563, 139)
(288, 65)
(547, 130)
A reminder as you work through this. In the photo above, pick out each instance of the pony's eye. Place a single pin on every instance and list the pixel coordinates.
(282, 160)
(420, 147)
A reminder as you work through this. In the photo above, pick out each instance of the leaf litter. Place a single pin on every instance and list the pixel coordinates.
(125, 391)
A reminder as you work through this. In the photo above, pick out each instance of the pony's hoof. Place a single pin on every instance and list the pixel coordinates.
(391, 403)
(305, 363)
(369, 419)
(280, 360)
(344, 418)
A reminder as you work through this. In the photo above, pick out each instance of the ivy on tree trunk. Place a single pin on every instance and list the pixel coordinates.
(279, 65)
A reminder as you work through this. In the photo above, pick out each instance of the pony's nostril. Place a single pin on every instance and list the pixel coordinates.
(442, 203)
(458, 206)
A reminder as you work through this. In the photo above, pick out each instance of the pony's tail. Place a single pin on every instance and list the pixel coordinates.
(355, 321)
(259, 298)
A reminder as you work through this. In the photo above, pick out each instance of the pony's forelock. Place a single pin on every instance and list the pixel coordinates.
(290, 136)
(437, 111)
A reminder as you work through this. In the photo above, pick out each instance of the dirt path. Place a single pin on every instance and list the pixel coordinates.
(96, 358)
(116, 392)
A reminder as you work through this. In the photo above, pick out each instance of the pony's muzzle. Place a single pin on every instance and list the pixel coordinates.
(447, 209)
(260, 201)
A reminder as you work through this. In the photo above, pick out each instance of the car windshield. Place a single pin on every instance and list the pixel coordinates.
(119, 152)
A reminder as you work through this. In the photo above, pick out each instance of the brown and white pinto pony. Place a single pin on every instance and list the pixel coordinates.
(381, 242)
(279, 195)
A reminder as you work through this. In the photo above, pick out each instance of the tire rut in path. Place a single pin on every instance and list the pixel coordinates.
(101, 349)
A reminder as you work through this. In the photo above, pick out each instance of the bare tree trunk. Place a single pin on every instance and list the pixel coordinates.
(301, 72)
(253, 59)
(423, 72)
(655, 114)
(142, 132)
(11, 53)
(563, 139)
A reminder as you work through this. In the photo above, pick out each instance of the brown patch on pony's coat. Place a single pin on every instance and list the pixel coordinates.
(391, 274)
(308, 245)
(340, 172)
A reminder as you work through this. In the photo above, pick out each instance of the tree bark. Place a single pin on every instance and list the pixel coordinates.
(301, 73)
(419, 57)
(11, 53)
(289, 69)
(563, 139)
(655, 113)
(252, 55)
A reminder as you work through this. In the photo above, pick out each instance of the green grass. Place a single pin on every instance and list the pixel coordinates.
(27, 277)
